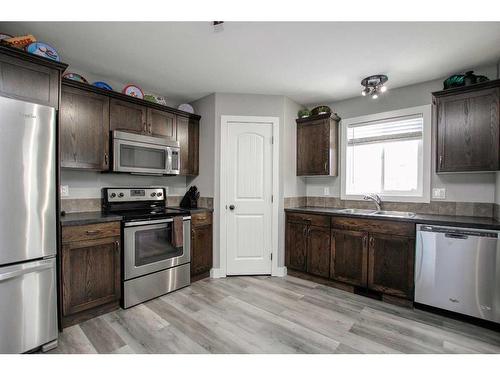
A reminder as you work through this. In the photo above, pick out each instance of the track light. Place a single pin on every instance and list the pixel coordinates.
(374, 85)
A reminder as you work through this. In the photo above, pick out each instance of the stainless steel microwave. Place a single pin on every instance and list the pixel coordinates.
(143, 154)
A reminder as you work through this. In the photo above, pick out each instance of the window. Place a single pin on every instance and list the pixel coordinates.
(388, 154)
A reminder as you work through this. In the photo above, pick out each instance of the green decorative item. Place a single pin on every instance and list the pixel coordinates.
(321, 110)
(456, 80)
(150, 98)
(303, 113)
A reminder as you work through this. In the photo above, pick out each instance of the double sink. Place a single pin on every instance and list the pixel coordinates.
(359, 211)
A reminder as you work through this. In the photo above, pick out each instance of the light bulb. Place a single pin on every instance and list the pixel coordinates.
(375, 96)
(383, 88)
(365, 91)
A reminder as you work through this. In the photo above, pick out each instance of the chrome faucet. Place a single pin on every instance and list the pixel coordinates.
(375, 198)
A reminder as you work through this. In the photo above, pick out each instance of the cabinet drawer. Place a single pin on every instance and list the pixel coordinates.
(201, 218)
(316, 220)
(89, 232)
(374, 226)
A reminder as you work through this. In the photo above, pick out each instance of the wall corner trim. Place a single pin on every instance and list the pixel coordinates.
(279, 272)
(217, 273)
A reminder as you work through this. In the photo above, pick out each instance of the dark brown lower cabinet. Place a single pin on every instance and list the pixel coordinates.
(374, 255)
(349, 256)
(318, 251)
(296, 245)
(90, 271)
(390, 264)
(201, 245)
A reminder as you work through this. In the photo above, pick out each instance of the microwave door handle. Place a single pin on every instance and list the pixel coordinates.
(169, 160)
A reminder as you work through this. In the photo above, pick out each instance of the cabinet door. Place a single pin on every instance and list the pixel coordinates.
(84, 129)
(90, 274)
(349, 252)
(296, 242)
(390, 264)
(201, 249)
(127, 116)
(162, 124)
(318, 251)
(468, 131)
(28, 81)
(313, 148)
(188, 137)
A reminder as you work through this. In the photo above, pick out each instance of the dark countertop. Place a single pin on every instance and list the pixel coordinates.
(447, 220)
(193, 210)
(82, 218)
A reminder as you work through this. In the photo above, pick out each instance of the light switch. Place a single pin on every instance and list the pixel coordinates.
(166, 190)
(64, 190)
(326, 190)
(439, 193)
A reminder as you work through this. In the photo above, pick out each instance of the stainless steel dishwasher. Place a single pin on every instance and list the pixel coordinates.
(458, 269)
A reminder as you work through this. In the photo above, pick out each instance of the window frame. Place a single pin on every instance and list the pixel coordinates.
(425, 111)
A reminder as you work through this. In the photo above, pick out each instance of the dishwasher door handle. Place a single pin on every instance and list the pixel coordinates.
(456, 236)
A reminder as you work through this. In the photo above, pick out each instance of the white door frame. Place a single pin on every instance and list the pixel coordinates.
(225, 120)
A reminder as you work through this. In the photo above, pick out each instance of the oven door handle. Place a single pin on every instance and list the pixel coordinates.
(153, 222)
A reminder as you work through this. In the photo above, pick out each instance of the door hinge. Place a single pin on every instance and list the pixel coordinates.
(272, 140)
(271, 256)
(272, 198)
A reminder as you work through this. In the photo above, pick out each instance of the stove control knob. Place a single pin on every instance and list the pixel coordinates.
(153, 194)
(113, 195)
(160, 194)
(120, 195)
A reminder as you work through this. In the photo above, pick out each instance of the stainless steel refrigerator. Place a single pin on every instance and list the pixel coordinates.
(28, 302)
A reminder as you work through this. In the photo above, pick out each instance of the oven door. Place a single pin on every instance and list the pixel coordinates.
(137, 157)
(148, 247)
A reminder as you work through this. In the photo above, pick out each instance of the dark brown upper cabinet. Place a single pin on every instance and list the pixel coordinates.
(161, 124)
(28, 77)
(84, 129)
(317, 145)
(468, 128)
(188, 135)
(127, 116)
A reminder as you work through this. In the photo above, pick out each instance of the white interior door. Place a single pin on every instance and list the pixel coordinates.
(249, 186)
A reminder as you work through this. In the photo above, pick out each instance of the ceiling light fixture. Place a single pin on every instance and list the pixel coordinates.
(374, 85)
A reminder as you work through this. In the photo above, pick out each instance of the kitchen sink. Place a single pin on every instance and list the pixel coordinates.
(394, 213)
(358, 211)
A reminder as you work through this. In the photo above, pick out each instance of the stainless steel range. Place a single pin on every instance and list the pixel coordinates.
(156, 243)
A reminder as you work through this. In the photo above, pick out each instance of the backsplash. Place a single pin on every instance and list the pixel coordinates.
(94, 204)
(434, 207)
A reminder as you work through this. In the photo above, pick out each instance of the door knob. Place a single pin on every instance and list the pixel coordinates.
(231, 207)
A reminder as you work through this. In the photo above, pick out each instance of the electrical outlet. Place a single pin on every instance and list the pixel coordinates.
(439, 193)
(64, 190)
(326, 190)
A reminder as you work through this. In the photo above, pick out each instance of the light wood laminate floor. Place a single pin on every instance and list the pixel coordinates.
(272, 315)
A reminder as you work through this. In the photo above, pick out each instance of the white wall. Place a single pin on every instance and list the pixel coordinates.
(467, 187)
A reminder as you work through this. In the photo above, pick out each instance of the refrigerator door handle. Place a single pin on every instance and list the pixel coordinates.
(26, 268)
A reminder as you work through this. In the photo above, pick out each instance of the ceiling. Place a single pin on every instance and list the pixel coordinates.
(309, 62)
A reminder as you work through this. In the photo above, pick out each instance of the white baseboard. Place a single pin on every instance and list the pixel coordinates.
(217, 273)
(280, 272)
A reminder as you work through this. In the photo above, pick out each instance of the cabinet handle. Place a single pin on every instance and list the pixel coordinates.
(440, 161)
(106, 158)
(93, 232)
(308, 231)
(326, 166)
(372, 242)
(304, 231)
(365, 241)
(117, 245)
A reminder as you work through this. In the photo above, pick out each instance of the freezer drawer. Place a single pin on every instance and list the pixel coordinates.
(458, 269)
(27, 305)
